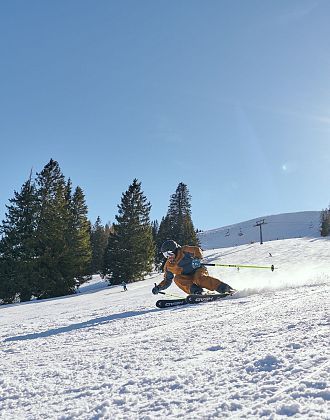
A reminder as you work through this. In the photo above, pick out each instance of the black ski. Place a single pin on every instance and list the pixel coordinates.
(169, 303)
(206, 298)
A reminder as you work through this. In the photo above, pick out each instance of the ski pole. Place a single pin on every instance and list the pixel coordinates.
(169, 294)
(241, 266)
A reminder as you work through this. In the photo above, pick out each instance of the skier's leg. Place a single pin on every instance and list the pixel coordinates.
(202, 279)
(196, 290)
(185, 283)
(225, 288)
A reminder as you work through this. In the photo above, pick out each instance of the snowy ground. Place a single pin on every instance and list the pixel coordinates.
(108, 354)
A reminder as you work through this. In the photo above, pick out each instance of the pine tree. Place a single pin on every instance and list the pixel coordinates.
(164, 232)
(178, 224)
(80, 237)
(18, 245)
(8, 281)
(56, 265)
(99, 241)
(155, 228)
(325, 222)
(130, 251)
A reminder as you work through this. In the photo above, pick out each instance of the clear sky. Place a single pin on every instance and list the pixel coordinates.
(230, 97)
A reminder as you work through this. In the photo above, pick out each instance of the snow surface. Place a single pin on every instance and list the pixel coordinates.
(109, 354)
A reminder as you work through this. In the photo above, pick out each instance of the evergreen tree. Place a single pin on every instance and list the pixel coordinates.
(18, 245)
(160, 233)
(130, 251)
(155, 228)
(99, 241)
(56, 265)
(45, 244)
(80, 237)
(177, 224)
(108, 229)
(164, 232)
(8, 281)
(325, 222)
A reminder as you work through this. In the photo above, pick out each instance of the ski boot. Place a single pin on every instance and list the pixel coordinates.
(195, 290)
(225, 289)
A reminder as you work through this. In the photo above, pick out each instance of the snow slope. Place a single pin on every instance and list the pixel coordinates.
(108, 354)
(280, 226)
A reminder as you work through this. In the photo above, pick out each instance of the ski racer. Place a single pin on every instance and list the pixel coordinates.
(184, 266)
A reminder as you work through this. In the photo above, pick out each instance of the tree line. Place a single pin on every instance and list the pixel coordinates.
(48, 247)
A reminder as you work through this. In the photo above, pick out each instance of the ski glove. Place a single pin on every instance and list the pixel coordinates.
(196, 263)
(155, 290)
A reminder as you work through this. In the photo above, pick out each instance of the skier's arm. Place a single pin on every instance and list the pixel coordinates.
(165, 283)
(168, 277)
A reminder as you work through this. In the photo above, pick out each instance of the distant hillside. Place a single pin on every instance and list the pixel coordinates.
(280, 226)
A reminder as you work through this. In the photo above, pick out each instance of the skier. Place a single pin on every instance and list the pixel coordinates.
(124, 286)
(183, 265)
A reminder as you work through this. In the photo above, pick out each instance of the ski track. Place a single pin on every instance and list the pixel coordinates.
(110, 355)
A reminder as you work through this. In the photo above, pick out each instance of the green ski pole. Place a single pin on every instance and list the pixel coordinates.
(271, 267)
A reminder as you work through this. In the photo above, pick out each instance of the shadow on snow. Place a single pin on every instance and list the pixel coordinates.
(87, 324)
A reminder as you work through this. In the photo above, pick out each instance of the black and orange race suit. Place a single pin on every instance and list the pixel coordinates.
(184, 275)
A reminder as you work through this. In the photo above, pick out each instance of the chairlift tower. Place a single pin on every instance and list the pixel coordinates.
(260, 223)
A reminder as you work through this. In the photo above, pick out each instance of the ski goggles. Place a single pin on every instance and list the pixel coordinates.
(168, 254)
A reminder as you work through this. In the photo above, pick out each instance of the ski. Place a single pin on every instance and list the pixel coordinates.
(169, 303)
(206, 298)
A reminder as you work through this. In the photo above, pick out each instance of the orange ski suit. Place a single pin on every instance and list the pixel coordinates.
(184, 275)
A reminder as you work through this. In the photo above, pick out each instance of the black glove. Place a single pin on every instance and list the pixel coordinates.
(155, 290)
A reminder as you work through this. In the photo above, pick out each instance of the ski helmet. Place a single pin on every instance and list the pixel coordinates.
(169, 246)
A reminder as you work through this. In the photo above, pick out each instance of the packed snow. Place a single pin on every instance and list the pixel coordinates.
(108, 354)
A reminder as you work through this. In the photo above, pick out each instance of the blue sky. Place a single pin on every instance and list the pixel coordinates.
(230, 97)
